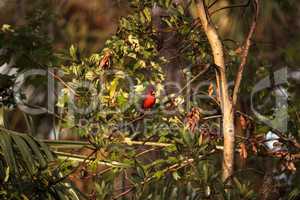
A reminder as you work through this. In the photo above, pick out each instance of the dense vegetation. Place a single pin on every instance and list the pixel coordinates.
(99, 143)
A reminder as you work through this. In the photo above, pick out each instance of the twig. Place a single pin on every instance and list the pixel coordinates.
(80, 158)
(232, 6)
(140, 117)
(54, 75)
(212, 4)
(49, 112)
(124, 193)
(73, 170)
(126, 140)
(293, 141)
(212, 117)
(146, 151)
(171, 168)
(193, 79)
(63, 82)
(206, 67)
(211, 97)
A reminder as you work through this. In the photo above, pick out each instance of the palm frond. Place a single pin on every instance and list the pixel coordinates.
(24, 169)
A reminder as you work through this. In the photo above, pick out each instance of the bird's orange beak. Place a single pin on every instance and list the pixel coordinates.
(152, 93)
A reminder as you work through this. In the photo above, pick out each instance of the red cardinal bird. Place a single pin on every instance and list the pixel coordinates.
(149, 100)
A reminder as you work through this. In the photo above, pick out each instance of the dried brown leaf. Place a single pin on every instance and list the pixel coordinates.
(105, 61)
(243, 122)
(210, 89)
(193, 118)
(243, 151)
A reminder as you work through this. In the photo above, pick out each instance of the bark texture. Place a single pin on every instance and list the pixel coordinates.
(226, 104)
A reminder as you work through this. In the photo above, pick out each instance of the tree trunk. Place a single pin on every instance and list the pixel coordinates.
(226, 104)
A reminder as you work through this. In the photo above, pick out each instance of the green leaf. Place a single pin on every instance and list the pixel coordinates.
(45, 149)
(147, 14)
(187, 138)
(74, 52)
(238, 184)
(142, 17)
(167, 3)
(6, 174)
(167, 21)
(158, 174)
(176, 176)
(140, 172)
(180, 9)
(7, 149)
(36, 151)
(113, 87)
(25, 152)
(294, 194)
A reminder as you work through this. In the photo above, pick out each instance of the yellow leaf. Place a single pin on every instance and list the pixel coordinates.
(113, 87)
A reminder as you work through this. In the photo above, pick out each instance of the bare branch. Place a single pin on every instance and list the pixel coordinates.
(231, 6)
(245, 53)
(212, 4)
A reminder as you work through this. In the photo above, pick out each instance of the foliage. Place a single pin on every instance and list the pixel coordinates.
(99, 102)
(28, 170)
(131, 60)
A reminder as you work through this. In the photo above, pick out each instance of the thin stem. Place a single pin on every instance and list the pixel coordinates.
(80, 158)
(73, 170)
(231, 6)
(124, 193)
(63, 82)
(244, 55)
(212, 4)
(193, 79)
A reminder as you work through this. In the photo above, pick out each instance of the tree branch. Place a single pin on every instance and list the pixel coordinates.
(245, 53)
(232, 6)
